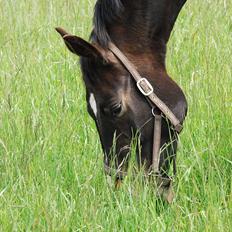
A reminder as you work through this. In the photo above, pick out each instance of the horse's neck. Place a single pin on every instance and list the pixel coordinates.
(148, 21)
(156, 17)
(139, 29)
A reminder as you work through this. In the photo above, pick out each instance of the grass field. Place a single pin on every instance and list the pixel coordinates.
(51, 170)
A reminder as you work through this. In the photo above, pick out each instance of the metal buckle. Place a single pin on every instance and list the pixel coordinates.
(145, 87)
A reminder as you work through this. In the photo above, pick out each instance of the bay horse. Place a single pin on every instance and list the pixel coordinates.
(127, 84)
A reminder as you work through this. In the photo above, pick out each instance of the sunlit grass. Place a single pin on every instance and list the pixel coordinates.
(51, 169)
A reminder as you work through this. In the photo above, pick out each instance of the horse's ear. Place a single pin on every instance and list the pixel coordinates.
(79, 46)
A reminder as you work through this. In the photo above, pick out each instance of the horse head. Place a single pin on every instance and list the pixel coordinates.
(141, 30)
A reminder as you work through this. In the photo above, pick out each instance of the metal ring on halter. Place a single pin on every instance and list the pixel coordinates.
(153, 111)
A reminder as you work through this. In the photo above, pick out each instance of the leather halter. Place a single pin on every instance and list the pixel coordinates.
(147, 90)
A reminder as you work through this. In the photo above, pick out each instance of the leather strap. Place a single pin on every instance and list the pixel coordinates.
(156, 144)
(145, 87)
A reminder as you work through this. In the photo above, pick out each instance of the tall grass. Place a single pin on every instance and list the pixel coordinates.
(51, 172)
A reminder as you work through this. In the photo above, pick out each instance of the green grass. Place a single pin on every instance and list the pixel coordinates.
(51, 171)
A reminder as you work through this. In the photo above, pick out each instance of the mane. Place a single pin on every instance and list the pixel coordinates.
(105, 13)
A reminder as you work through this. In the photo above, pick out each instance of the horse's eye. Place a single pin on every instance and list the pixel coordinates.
(116, 110)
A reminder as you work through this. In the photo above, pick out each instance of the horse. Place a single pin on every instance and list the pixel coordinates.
(128, 90)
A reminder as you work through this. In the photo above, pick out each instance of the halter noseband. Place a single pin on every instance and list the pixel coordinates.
(147, 91)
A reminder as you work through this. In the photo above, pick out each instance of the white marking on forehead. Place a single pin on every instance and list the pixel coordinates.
(93, 104)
